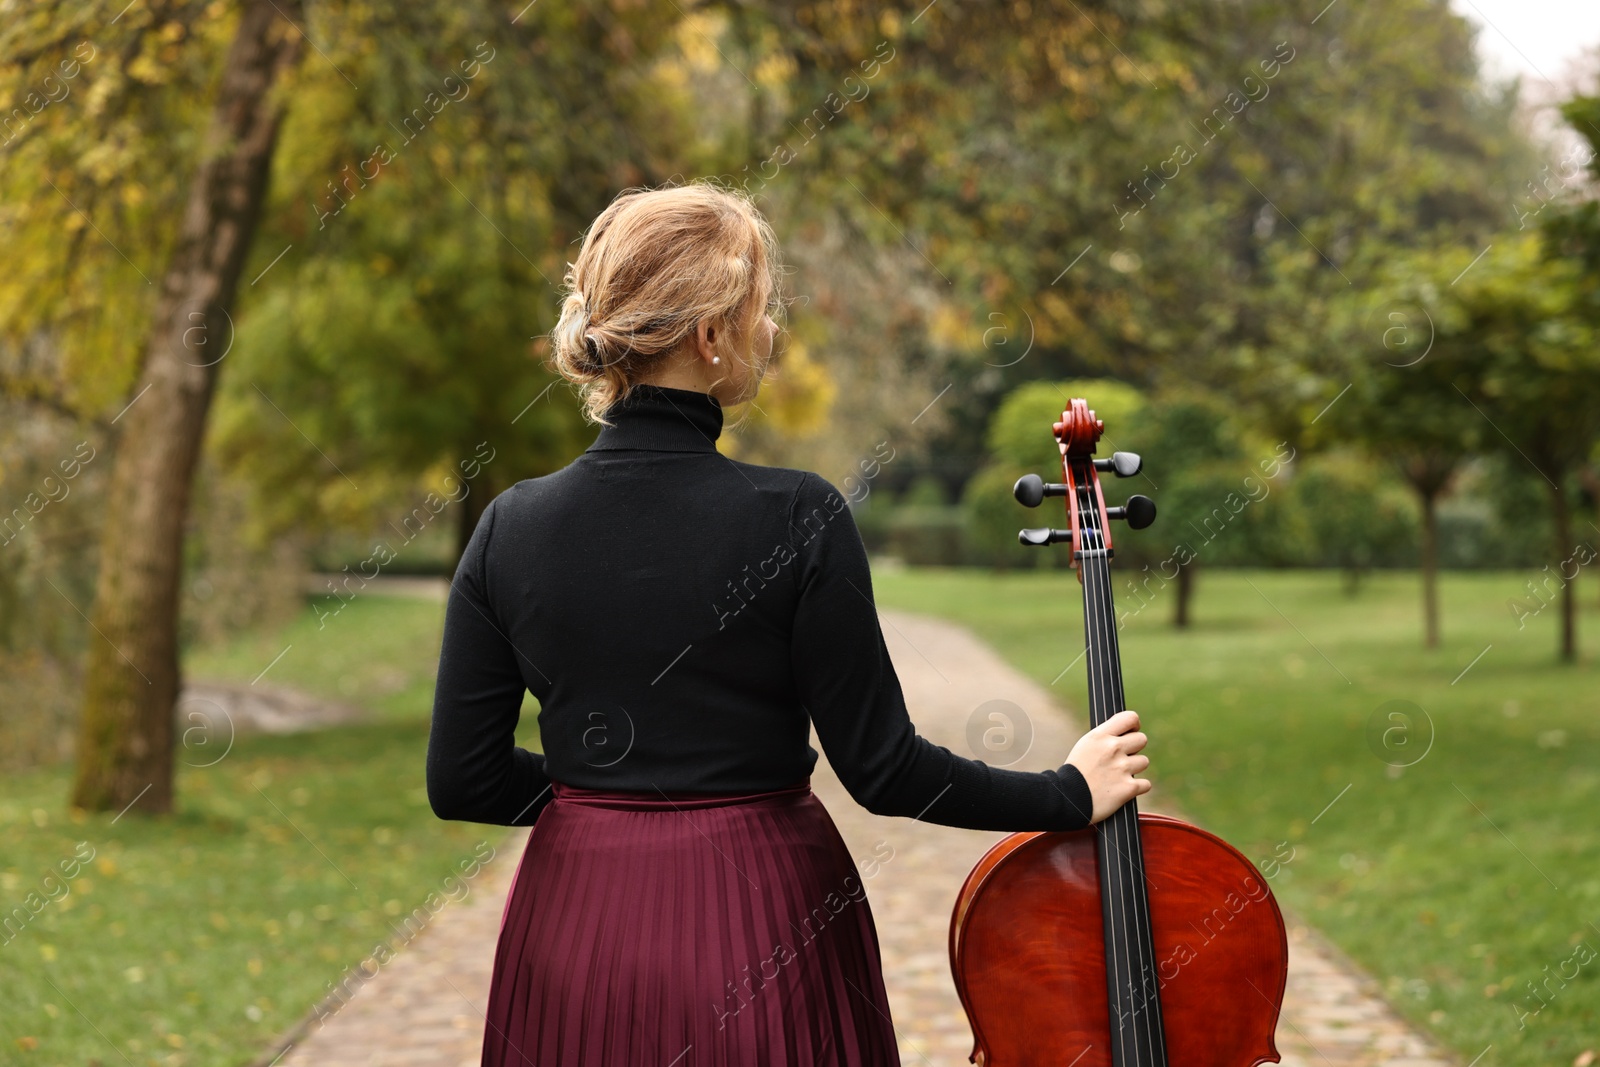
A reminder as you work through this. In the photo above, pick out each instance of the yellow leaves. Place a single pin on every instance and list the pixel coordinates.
(697, 34)
(774, 70)
(1059, 318)
(951, 326)
(101, 89)
(801, 393)
(149, 69)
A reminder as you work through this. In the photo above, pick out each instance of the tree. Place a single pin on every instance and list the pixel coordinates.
(1515, 342)
(1404, 406)
(1356, 516)
(1210, 487)
(1572, 231)
(429, 211)
(125, 751)
(165, 86)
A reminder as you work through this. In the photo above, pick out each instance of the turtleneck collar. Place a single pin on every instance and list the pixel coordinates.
(656, 418)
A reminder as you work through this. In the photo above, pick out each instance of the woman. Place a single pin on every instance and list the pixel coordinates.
(683, 620)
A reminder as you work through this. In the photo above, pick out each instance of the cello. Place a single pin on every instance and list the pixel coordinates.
(1143, 939)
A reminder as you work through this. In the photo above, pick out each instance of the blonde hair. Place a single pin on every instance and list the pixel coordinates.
(654, 264)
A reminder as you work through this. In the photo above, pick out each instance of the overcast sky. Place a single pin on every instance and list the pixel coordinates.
(1547, 42)
(1537, 38)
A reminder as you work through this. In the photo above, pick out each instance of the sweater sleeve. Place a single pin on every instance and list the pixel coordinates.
(849, 688)
(475, 771)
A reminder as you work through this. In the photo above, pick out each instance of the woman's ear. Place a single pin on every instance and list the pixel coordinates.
(705, 340)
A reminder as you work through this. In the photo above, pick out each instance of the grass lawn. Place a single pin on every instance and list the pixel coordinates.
(199, 938)
(1468, 880)
(378, 652)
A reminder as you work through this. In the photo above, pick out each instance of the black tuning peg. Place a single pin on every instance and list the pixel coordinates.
(1031, 490)
(1122, 464)
(1140, 511)
(1043, 535)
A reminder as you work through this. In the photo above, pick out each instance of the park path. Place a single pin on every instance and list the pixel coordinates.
(425, 1006)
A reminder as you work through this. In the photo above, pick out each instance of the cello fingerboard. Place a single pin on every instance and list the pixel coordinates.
(1137, 1038)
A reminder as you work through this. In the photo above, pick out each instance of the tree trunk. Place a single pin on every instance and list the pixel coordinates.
(1180, 607)
(1430, 570)
(1352, 579)
(1569, 605)
(125, 754)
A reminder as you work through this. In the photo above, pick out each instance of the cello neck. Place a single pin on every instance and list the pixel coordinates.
(1093, 560)
(1133, 990)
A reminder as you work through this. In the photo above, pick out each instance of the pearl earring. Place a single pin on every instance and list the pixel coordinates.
(716, 359)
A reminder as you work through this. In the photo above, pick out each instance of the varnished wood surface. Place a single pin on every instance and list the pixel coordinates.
(1028, 950)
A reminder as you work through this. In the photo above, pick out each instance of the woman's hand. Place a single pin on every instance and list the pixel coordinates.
(1108, 758)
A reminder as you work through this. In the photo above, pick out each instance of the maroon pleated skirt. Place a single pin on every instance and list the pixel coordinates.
(687, 931)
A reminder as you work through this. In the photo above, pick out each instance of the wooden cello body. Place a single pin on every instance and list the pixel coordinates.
(1141, 941)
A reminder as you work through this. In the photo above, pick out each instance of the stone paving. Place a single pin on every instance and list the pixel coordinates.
(425, 1006)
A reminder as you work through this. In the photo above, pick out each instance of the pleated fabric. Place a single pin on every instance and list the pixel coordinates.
(687, 931)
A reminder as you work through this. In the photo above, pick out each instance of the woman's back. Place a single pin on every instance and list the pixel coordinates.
(682, 619)
(639, 588)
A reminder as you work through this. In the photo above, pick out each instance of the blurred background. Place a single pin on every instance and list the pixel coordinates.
(278, 275)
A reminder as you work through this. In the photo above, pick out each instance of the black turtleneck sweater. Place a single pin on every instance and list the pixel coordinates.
(683, 620)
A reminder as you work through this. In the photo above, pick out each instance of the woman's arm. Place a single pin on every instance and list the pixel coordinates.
(475, 771)
(849, 688)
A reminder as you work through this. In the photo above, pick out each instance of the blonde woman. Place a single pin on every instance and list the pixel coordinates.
(684, 620)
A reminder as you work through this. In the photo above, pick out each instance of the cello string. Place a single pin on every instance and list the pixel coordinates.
(1118, 861)
(1139, 941)
(1132, 858)
(1118, 873)
(1116, 950)
(1149, 978)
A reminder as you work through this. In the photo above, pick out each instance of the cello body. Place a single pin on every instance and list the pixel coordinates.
(1027, 922)
(1141, 941)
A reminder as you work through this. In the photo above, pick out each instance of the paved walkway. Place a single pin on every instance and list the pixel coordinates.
(424, 1007)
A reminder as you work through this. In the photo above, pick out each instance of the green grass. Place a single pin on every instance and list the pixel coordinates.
(378, 652)
(1455, 880)
(198, 938)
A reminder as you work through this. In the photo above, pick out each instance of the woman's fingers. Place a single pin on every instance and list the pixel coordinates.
(1120, 723)
(1108, 757)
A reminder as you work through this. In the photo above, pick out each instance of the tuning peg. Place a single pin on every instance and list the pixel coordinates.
(1043, 536)
(1140, 511)
(1122, 464)
(1031, 490)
